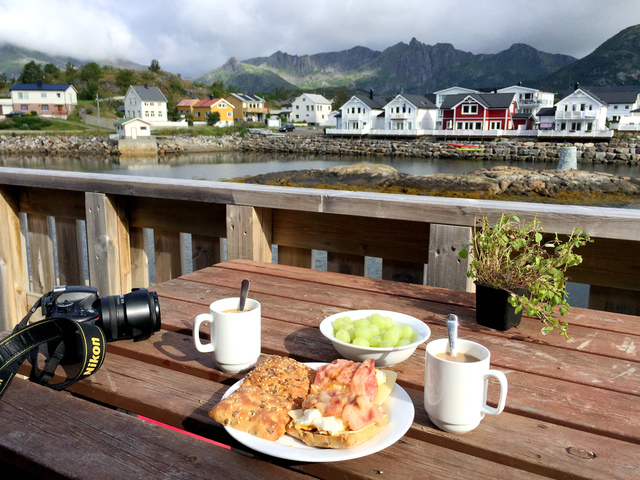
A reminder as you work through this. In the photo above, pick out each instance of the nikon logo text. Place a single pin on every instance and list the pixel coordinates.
(95, 359)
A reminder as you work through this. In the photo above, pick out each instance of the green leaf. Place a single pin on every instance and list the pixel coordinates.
(463, 253)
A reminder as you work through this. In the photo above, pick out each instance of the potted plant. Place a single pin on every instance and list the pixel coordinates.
(515, 261)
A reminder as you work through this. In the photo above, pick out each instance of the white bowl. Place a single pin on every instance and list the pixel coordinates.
(384, 357)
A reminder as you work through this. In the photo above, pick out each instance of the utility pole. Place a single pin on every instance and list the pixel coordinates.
(99, 122)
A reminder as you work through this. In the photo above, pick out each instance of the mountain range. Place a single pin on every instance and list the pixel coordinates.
(410, 68)
(419, 68)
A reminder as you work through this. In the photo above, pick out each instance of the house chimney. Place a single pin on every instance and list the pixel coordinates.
(211, 97)
(146, 85)
(39, 83)
(576, 86)
(371, 94)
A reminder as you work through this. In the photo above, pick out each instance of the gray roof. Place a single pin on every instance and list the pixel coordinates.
(149, 94)
(375, 102)
(488, 100)
(419, 101)
(547, 112)
(615, 93)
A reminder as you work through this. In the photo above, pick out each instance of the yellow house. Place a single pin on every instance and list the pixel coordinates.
(186, 106)
(203, 107)
(248, 107)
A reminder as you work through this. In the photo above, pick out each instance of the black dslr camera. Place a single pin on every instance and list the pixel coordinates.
(133, 315)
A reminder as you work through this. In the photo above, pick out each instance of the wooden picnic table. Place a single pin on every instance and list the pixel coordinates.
(573, 406)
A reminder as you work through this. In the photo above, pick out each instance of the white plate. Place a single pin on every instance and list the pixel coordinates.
(398, 406)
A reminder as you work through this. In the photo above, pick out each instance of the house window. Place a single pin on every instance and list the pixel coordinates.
(589, 126)
(24, 107)
(228, 114)
(582, 107)
(469, 109)
(478, 125)
(142, 128)
(615, 107)
(495, 125)
(297, 107)
(45, 107)
(43, 95)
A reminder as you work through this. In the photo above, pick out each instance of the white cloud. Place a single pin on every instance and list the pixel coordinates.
(197, 36)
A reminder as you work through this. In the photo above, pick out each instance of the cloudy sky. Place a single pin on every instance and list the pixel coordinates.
(194, 37)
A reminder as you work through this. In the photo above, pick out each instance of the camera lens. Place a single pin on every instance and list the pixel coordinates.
(134, 315)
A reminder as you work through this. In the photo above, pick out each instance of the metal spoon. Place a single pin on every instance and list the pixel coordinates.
(452, 330)
(244, 292)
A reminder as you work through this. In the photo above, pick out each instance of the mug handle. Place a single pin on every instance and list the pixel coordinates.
(202, 318)
(502, 379)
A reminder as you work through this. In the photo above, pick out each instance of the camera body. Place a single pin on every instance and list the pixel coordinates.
(133, 315)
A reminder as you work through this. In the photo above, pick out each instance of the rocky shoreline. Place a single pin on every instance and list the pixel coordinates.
(497, 182)
(626, 151)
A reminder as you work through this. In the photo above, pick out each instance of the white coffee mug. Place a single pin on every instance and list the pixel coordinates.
(455, 393)
(235, 335)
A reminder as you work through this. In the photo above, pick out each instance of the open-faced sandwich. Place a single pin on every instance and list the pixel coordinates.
(336, 407)
(261, 405)
(343, 406)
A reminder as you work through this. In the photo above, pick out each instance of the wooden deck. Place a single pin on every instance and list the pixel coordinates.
(573, 407)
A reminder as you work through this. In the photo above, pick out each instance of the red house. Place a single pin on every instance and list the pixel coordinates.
(482, 111)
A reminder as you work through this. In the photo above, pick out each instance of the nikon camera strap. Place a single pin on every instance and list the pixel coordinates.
(62, 335)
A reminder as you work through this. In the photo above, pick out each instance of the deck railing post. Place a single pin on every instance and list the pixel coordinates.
(446, 268)
(248, 233)
(13, 291)
(108, 245)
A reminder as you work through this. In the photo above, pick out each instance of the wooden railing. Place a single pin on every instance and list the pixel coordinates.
(114, 216)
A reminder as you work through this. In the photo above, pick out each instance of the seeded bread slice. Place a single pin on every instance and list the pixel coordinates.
(255, 411)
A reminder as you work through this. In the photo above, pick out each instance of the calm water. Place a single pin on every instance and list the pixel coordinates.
(225, 166)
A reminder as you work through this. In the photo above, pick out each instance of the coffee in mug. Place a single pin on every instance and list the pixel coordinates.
(235, 335)
(455, 389)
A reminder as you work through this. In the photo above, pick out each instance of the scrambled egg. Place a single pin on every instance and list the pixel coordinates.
(313, 418)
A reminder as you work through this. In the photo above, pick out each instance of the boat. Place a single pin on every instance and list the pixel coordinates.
(460, 146)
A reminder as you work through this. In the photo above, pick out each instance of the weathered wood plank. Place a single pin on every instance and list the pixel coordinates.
(167, 255)
(108, 245)
(446, 268)
(13, 300)
(400, 271)
(346, 263)
(179, 216)
(614, 300)
(139, 238)
(294, 256)
(41, 254)
(609, 263)
(352, 235)
(205, 251)
(249, 233)
(51, 434)
(59, 203)
(69, 253)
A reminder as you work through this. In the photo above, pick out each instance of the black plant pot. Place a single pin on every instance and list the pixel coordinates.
(493, 309)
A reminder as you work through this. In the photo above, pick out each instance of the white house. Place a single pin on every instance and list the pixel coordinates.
(362, 113)
(621, 100)
(132, 128)
(410, 113)
(311, 108)
(581, 111)
(147, 103)
(47, 100)
(530, 100)
(441, 95)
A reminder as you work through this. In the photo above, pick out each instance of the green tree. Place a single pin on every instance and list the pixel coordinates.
(213, 118)
(51, 69)
(217, 89)
(339, 99)
(125, 78)
(70, 72)
(91, 72)
(282, 93)
(155, 66)
(31, 73)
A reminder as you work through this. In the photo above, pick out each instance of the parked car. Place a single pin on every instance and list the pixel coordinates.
(289, 127)
(15, 114)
